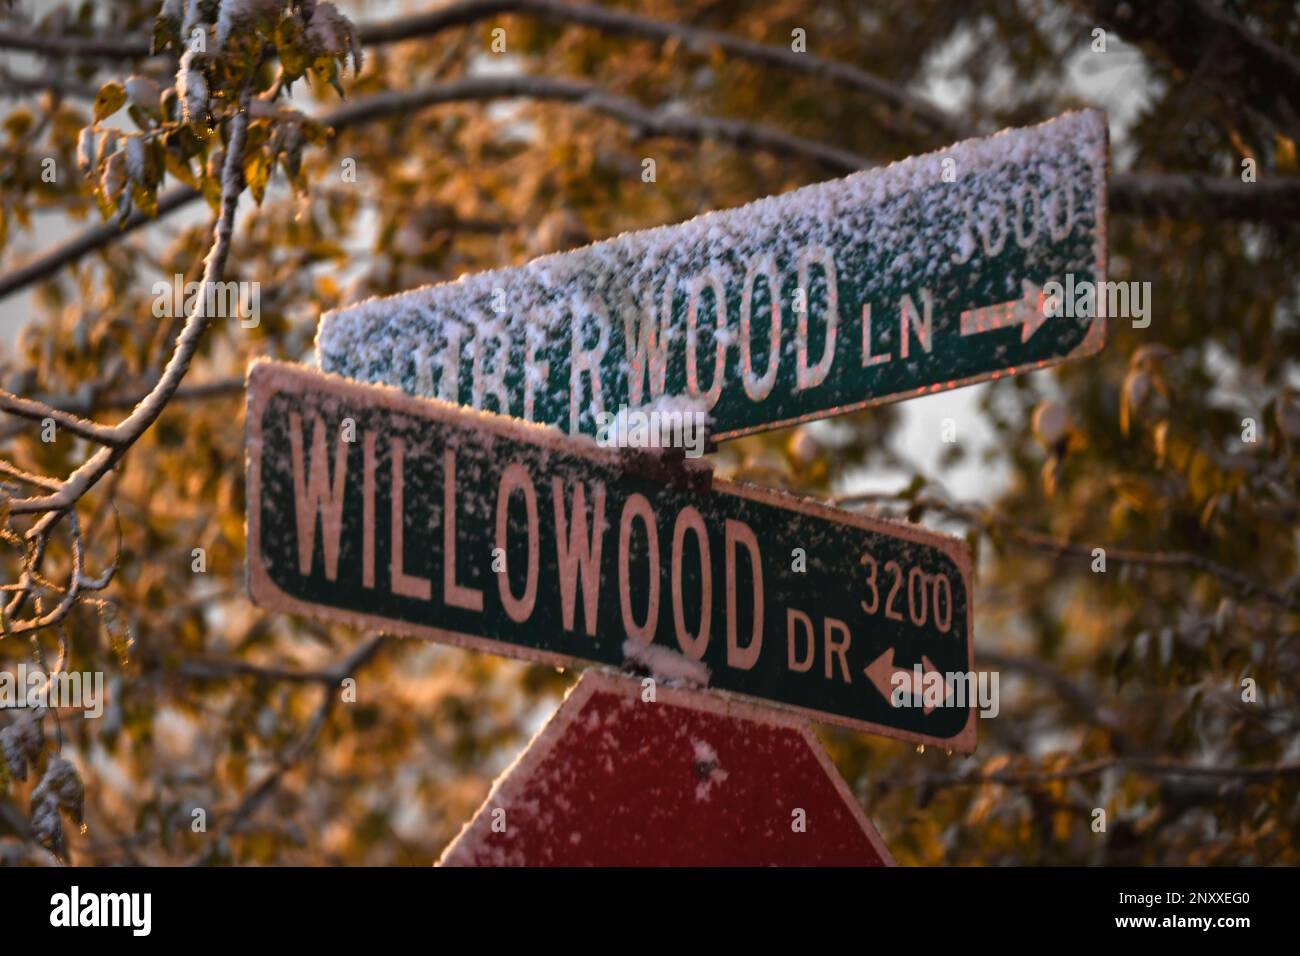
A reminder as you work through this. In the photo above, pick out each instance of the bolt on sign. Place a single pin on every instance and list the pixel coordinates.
(886, 284)
(618, 779)
(378, 510)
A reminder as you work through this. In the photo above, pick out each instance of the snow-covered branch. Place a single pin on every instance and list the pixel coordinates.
(39, 411)
(128, 431)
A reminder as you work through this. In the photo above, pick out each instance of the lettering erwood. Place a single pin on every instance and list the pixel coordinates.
(890, 283)
(386, 512)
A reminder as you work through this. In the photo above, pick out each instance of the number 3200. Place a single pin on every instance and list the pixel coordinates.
(925, 595)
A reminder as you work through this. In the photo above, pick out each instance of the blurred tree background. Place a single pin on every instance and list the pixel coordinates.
(471, 149)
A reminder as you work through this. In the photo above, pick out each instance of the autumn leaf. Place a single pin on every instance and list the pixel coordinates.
(109, 99)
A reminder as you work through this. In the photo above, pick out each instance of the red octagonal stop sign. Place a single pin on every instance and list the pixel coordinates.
(688, 779)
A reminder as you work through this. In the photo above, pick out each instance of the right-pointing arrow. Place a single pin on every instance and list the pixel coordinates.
(1028, 312)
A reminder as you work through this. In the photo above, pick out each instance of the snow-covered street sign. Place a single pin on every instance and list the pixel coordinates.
(620, 777)
(382, 511)
(890, 283)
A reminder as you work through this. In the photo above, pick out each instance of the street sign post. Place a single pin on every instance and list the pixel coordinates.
(887, 284)
(617, 778)
(375, 509)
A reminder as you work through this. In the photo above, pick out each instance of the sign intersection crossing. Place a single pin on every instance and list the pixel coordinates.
(376, 507)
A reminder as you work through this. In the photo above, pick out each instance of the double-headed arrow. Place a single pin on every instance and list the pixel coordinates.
(884, 676)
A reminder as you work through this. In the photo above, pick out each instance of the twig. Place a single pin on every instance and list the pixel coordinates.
(625, 109)
(89, 399)
(208, 668)
(1244, 68)
(88, 240)
(1084, 703)
(11, 84)
(37, 411)
(40, 481)
(91, 47)
(294, 754)
(1194, 196)
(914, 110)
(1061, 547)
(1143, 765)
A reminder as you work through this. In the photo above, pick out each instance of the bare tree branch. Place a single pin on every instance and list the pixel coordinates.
(89, 47)
(1207, 198)
(212, 668)
(1083, 702)
(1060, 547)
(294, 755)
(914, 110)
(12, 84)
(651, 122)
(1196, 37)
(32, 584)
(88, 240)
(1161, 559)
(1258, 773)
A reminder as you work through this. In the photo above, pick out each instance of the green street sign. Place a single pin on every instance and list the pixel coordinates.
(923, 276)
(381, 511)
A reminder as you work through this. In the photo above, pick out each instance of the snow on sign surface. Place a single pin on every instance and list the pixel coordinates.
(417, 517)
(918, 277)
(683, 780)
